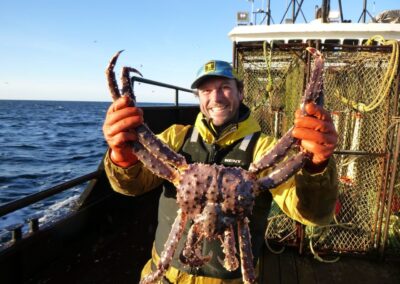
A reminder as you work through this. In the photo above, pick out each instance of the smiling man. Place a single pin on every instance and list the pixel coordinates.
(220, 94)
(224, 133)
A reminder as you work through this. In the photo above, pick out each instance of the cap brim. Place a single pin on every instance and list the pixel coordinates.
(201, 79)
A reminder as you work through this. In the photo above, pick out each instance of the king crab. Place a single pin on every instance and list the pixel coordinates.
(214, 197)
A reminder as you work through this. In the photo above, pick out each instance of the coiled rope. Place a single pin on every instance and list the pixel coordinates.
(323, 230)
(384, 88)
(313, 232)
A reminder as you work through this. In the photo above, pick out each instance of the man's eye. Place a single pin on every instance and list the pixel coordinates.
(226, 87)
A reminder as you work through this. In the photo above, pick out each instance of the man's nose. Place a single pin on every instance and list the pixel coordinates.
(217, 94)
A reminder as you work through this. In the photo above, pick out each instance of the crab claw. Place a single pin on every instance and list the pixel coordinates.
(110, 75)
(311, 50)
(112, 83)
(230, 264)
(194, 259)
(314, 51)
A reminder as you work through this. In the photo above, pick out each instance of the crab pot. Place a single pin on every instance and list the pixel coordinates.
(361, 91)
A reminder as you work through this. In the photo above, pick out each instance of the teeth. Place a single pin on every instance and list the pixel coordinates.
(218, 108)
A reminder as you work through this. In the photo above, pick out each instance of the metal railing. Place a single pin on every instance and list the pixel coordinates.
(33, 198)
(164, 85)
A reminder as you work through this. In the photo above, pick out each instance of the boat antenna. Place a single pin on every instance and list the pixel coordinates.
(364, 13)
(341, 11)
(269, 12)
(325, 10)
(295, 11)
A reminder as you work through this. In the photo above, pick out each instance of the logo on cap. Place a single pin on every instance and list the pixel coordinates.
(209, 67)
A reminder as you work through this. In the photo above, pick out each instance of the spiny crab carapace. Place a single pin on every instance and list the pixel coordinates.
(214, 197)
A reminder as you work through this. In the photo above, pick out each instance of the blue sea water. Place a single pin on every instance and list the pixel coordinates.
(45, 143)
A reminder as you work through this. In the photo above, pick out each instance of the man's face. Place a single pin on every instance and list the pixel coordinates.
(219, 99)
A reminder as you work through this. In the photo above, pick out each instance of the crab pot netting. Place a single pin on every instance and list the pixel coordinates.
(361, 92)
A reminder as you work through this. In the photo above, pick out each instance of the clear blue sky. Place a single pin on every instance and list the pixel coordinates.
(58, 50)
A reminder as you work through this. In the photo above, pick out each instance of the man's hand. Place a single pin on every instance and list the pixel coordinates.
(118, 130)
(317, 134)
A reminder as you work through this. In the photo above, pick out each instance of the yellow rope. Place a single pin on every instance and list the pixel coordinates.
(311, 235)
(317, 257)
(322, 230)
(268, 60)
(384, 89)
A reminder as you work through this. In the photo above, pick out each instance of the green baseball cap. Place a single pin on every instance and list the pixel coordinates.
(213, 68)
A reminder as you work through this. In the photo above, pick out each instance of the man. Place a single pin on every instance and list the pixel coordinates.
(218, 136)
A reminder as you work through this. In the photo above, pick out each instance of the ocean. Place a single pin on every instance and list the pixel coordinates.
(45, 143)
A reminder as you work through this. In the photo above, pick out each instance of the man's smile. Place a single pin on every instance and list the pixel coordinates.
(218, 108)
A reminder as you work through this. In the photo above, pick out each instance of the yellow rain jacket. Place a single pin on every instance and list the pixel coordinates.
(307, 198)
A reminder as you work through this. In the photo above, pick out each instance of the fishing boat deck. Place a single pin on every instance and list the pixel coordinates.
(290, 267)
(119, 260)
(117, 249)
(110, 239)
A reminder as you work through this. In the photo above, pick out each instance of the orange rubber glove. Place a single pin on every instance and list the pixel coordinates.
(118, 129)
(317, 134)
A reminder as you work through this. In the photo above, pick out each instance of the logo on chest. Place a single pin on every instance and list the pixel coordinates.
(232, 161)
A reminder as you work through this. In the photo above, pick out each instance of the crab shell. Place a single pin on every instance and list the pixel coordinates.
(217, 193)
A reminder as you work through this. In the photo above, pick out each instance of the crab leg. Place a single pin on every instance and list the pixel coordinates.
(230, 262)
(191, 254)
(158, 148)
(169, 249)
(276, 154)
(146, 137)
(313, 94)
(313, 90)
(110, 75)
(283, 172)
(126, 84)
(152, 163)
(143, 154)
(246, 255)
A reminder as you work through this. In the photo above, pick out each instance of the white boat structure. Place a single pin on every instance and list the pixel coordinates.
(327, 26)
(340, 33)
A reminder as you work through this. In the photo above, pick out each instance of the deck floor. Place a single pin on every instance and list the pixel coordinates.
(115, 251)
(118, 266)
(290, 267)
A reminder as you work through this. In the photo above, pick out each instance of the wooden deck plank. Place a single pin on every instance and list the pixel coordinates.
(269, 268)
(356, 270)
(305, 271)
(289, 272)
(290, 267)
